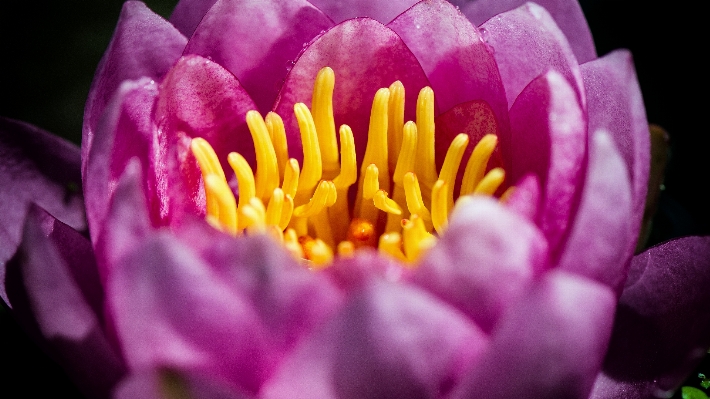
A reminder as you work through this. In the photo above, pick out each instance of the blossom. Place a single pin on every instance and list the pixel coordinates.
(515, 299)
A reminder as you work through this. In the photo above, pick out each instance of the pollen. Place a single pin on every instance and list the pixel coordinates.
(401, 203)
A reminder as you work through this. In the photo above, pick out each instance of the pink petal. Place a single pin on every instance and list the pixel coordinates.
(365, 56)
(187, 14)
(567, 14)
(549, 139)
(600, 236)
(662, 326)
(389, 341)
(615, 104)
(525, 200)
(143, 45)
(153, 384)
(484, 246)
(351, 274)
(527, 42)
(549, 346)
(37, 167)
(277, 32)
(382, 11)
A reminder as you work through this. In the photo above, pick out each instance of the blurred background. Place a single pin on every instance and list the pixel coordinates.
(49, 51)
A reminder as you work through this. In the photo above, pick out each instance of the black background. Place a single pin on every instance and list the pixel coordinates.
(49, 51)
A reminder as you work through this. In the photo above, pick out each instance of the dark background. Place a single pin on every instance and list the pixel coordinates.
(49, 50)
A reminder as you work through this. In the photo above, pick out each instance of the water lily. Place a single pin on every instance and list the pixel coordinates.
(468, 232)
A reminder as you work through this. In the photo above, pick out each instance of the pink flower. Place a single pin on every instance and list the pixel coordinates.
(536, 295)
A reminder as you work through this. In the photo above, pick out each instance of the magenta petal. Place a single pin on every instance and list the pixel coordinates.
(459, 65)
(525, 199)
(566, 13)
(365, 56)
(662, 326)
(389, 341)
(526, 43)
(52, 304)
(600, 236)
(549, 346)
(382, 11)
(277, 32)
(36, 167)
(187, 14)
(549, 139)
(156, 384)
(615, 104)
(197, 321)
(484, 246)
(351, 274)
(143, 45)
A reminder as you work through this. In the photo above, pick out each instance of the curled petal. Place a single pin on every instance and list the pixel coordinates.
(187, 14)
(383, 12)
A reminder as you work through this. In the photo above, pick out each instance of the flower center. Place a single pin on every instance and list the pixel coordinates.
(401, 202)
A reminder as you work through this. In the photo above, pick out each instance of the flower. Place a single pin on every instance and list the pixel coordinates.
(514, 300)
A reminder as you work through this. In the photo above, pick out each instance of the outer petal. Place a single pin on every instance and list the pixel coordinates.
(525, 200)
(390, 341)
(600, 236)
(144, 44)
(662, 326)
(277, 32)
(354, 273)
(567, 14)
(52, 304)
(35, 166)
(549, 139)
(339, 10)
(483, 246)
(187, 14)
(527, 42)
(157, 384)
(549, 346)
(615, 104)
(365, 56)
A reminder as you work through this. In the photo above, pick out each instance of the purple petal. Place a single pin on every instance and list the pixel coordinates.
(48, 301)
(187, 14)
(567, 14)
(662, 326)
(156, 384)
(389, 341)
(172, 310)
(459, 65)
(484, 245)
(615, 104)
(549, 346)
(351, 274)
(365, 56)
(526, 43)
(549, 139)
(384, 12)
(35, 167)
(277, 32)
(525, 200)
(126, 131)
(600, 236)
(143, 45)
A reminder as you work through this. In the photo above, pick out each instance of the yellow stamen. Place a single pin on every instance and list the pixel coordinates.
(245, 177)
(227, 215)
(273, 210)
(413, 193)
(391, 243)
(254, 214)
(362, 233)
(476, 166)
(322, 106)
(319, 253)
(291, 243)
(408, 154)
(506, 194)
(206, 157)
(267, 168)
(425, 166)
(386, 204)
(490, 183)
(396, 122)
(291, 175)
(450, 168)
(318, 202)
(277, 134)
(439, 206)
(286, 212)
(340, 212)
(416, 238)
(375, 152)
(372, 184)
(346, 248)
(312, 166)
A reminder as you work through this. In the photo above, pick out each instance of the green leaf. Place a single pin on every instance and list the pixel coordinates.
(693, 393)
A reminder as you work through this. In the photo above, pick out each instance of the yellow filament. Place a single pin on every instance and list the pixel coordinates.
(477, 163)
(254, 216)
(277, 133)
(267, 168)
(348, 165)
(490, 182)
(220, 190)
(206, 157)
(391, 243)
(286, 212)
(408, 154)
(346, 248)
(291, 243)
(452, 161)
(413, 194)
(312, 166)
(372, 184)
(318, 202)
(396, 122)
(416, 238)
(386, 204)
(439, 206)
(320, 254)
(245, 177)
(291, 174)
(376, 150)
(322, 106)
(273, 210)
(425, 166)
